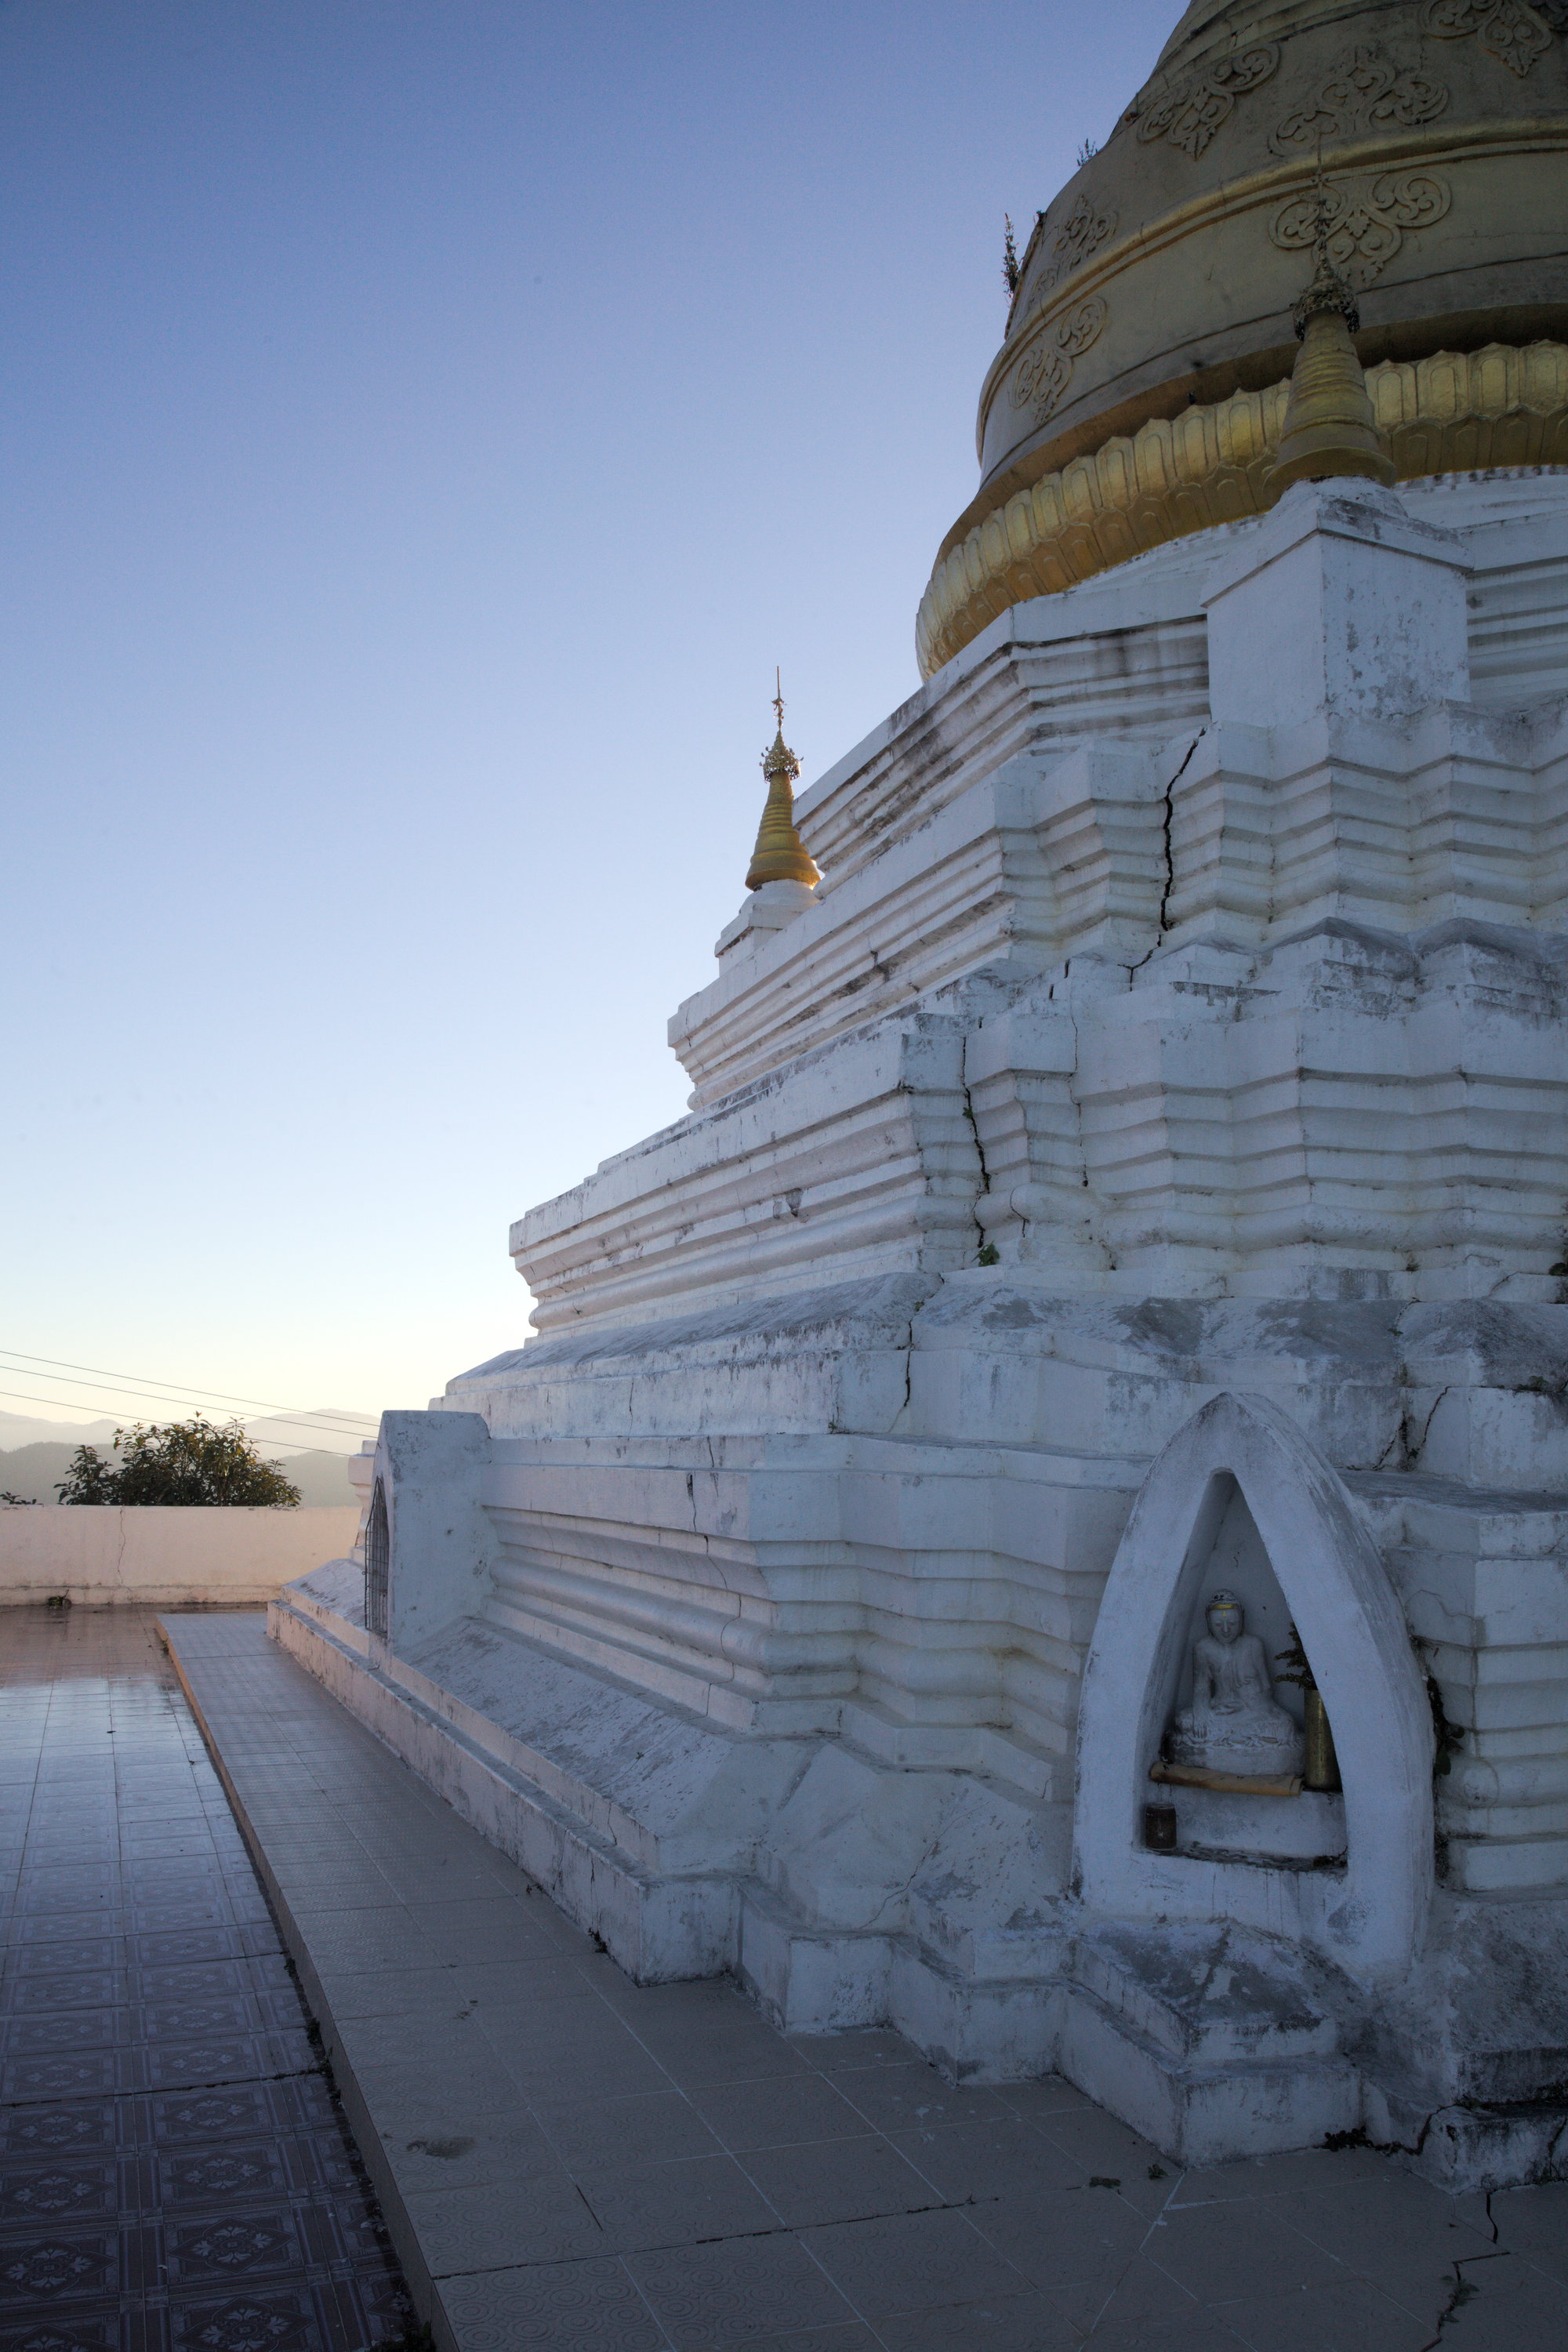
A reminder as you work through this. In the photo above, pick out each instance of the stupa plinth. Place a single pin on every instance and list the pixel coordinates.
(1138, 1169)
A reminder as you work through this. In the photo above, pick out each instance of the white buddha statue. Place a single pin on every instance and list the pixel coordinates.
(1233, 1724)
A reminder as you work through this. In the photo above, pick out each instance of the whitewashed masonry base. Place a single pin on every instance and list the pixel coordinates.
(1140, 1167)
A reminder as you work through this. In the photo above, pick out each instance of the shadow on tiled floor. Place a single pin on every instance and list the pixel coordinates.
(582, 2163)
(174, 2171)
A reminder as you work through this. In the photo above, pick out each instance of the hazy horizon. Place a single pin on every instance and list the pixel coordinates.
(428, 427)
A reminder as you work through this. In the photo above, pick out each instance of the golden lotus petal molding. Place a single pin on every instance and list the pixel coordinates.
(1456, 412)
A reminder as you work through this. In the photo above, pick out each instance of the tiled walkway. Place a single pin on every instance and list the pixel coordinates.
(174, 2171)
(574, 2163)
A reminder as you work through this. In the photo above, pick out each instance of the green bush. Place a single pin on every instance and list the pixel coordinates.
(185, 1462)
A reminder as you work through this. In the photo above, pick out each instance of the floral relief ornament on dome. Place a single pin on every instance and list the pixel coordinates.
(1367, 90)
(1506, 29)
(1083, 232)
(1189, 115)
(1045, 370)
(1365, 222)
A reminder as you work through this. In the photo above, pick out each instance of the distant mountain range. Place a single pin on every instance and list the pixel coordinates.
(35, 1454)
(313, 1431)
(32, 1473)
(21, 1429)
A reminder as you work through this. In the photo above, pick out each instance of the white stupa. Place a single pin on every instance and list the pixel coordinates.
(1106, 1296)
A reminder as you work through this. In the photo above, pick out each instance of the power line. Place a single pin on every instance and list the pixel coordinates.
(99, 1389)
(190, 1387)
(31, 1396)
(175, 1396)
(186, 1390)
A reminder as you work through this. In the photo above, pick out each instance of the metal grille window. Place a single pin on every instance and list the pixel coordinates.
(378, 1561)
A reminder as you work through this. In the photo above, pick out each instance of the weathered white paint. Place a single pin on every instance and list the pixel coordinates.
(1371, 1917)
(429, 1467)
(98, 1553)
(1192, 946)
(1215, 946)
(1375, 607)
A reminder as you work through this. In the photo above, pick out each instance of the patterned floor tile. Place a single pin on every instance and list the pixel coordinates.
(52, 2191)
(68, 2333)
(174, 2172)
(69, 2266)
(35, 2130)
(271, 2320)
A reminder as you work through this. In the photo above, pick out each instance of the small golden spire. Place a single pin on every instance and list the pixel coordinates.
(779, 855)
(1331, 426)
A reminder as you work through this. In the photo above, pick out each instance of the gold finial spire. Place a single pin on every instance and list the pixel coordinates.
(1330, 427)
(779, 855)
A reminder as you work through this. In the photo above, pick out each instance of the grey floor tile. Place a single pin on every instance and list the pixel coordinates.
(1221, 2259)
(1395, 2231)
(837, 2054)
(913, 2097)
(489, 1928)
(1534, 2221)
(838, 2180)
(443, 2040)
(1349, 2318)
(606, 2071)
(1302, 2171)
(994, 2158)
(1144, 2291)
(1205, 2333)
(592, 2306)
(1051, 2096)
(701, 2057)
(651, 2128)
(732, 2292)
(504, 1988)
(335, 1888)
(1108, 2149)
(577, 2027)
(1020, 2323)
(912, 2263)
(1081, 2238)
(693, 2200)
(501, 2145)
(778, 2111)
(854, 2338)
(409, 2099)
(493, 2224)
(635, 2088)
(1508, 2304)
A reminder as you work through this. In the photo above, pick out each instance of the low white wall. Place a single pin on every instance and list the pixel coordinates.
(165, 1558)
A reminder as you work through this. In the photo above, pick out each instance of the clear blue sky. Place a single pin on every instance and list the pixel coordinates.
(426, 425)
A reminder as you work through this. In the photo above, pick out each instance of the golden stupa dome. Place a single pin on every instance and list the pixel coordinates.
(1141, 387)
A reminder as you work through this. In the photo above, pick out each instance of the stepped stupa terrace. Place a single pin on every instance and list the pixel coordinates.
(1103, 1313)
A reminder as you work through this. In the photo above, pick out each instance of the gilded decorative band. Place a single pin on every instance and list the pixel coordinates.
(1455, 412)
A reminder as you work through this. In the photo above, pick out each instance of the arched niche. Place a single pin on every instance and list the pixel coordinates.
(1369, 1916)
